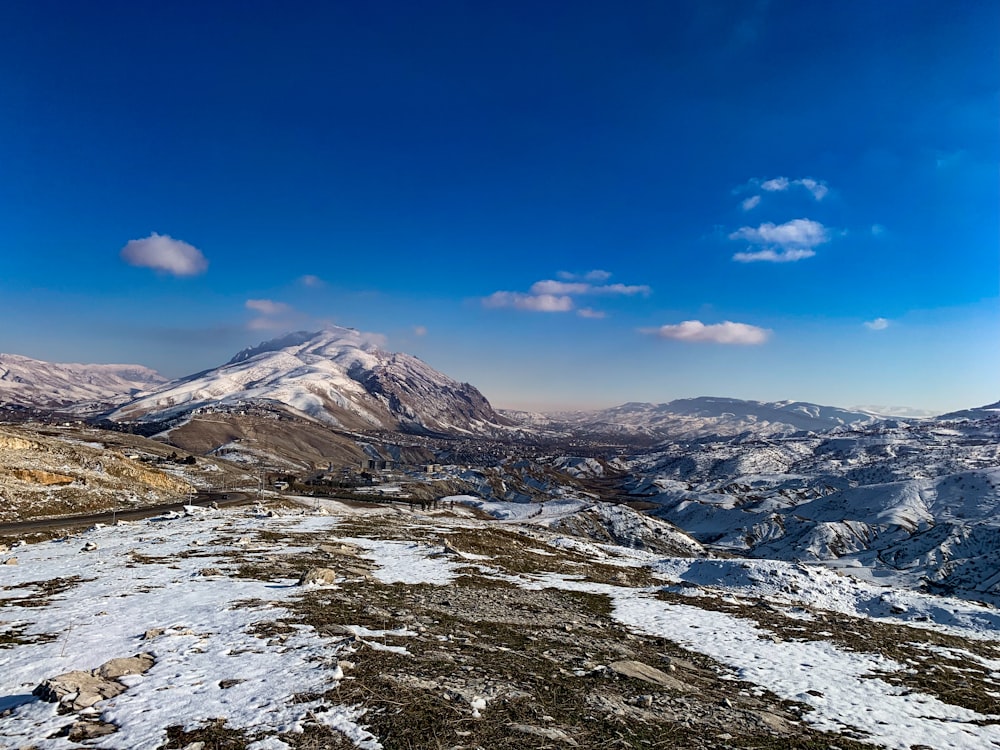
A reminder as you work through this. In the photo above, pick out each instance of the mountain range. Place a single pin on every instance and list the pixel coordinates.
(342, 378)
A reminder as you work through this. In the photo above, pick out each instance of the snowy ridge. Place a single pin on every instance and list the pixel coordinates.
(700, 417)
(79, 387)
(918, 504)
(338, 376)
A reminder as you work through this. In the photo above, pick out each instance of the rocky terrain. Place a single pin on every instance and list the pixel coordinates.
(48, 471)
(328, 625)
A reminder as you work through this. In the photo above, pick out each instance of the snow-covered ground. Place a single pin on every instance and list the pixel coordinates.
(168, 587)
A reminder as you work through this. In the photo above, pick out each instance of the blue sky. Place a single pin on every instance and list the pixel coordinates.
(565, 204)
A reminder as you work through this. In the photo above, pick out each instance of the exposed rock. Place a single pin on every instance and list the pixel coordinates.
(78, 690)
(115, 668)
(646, 673)
(88, 730)
(37, 476)
(10, 561)
(320, 576)
(548, 733)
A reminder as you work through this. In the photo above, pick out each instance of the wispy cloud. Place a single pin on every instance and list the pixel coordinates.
(530, 302)
(419, 330)
(596, 275)
(781, 243)
(878, 324)
(750, 203)
(274, 316)
(770, 255)
(817, 188)
(726, 332)
(268, 307)
(557, 295)
(311, 281)
(878, 230)
(548, 286)
(163, 253)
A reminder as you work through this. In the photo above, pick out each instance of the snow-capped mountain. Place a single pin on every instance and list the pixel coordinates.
(338, 376)
(80, 388)
(700, 417)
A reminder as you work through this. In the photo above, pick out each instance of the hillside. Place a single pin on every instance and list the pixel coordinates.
(338, 377)
(76, 388)
(337, 626)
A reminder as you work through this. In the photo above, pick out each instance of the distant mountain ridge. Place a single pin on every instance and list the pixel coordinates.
(72, 387)
(704, 416)
(338, 376)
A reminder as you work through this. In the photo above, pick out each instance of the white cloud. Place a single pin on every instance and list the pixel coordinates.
(595, 275)
(419, 330)
(778, 184)
(311, 281)
(750, 203)
(773, 256)
(716, 333)
(549, 286)
(628, 290)
(878, 230)
(879, 324)
(587, 312)
(268, 307)
(817, 188)
(163, 253)
(560, 287)
(530, 302)
(781, 243)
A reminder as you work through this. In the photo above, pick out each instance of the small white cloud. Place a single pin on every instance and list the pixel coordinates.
(716, 333)
(773, 256)
(879, 324)
(560, 287)
(268, 307)
(628, 290)
(878, 230)
(549, 286)
(596, 275)
(781, 243)
(419, 330)
(530, 302)
(587, 312)
(817, 188)
(163, 253)
(778, 184)
(750, 203)
(311, 281)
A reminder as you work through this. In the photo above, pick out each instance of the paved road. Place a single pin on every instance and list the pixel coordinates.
(131, 514)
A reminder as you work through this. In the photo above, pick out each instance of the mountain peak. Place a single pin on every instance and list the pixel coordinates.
(340, 376)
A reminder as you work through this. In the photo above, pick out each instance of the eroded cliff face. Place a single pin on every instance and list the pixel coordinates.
(43, 475)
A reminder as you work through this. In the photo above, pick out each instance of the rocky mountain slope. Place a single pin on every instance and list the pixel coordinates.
(76, 388)
(337, 376)
(915, 503)
(698, 417)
